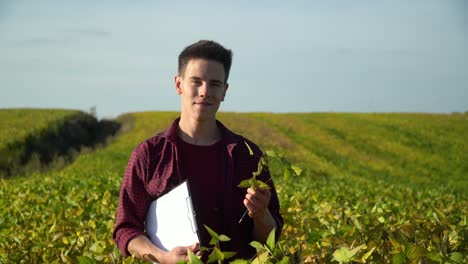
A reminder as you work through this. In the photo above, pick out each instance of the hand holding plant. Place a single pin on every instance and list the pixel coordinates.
(258, 195)
(256, 201)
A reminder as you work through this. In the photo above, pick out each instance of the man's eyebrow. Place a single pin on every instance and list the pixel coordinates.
(194, 78)
(216, 81)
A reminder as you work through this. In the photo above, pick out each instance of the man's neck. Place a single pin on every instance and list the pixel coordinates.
(202, 133)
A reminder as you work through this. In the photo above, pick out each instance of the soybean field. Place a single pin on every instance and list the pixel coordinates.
(374, 188)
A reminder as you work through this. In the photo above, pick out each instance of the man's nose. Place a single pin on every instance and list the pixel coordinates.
(204, 90)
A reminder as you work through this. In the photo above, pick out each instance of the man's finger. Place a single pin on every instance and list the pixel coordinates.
(195, 247)
(252, 198)
(258, 198)
(251, 207)
(260, 193)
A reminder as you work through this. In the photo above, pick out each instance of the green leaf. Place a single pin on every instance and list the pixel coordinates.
(456, 257)
(253, 183)
(71, 202)
(275, 165)
(297, 170)
(345, 255)
(98, 247)
(262, 258)
(285, 260)
(204, 248)
(286, 174)
(415, 253)
(215, 255)
(270, 243)
(439, 213)
(68, 259)
(367, 255)
(435, 256)
(398, 258)
(257, 245)
(192, 258)
(57, 236)
(244, 184)
(229, 254)
(250, 149)
(356, 223)
(262, 185)
(85, 260)
(271, 154)
(395, 244)
(439, 216)
(213, 234)
(52, 228)
(356, 250)
(342, 255)
(224, 238)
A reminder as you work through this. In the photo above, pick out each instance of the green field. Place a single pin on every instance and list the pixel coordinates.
(390, 188)
(18, 126)
(34, 140)
(19, 123)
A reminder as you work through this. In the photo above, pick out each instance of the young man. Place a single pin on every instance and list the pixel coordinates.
(214, 160)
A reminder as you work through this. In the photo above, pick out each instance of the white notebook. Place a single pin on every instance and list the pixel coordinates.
(170, 220)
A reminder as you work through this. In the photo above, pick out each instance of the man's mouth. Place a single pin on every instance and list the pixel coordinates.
(203, 103)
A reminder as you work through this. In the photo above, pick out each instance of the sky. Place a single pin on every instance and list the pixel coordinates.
(289, 56)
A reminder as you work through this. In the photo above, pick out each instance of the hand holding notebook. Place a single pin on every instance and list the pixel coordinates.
(170, 220)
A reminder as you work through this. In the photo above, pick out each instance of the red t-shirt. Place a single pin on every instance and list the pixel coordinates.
(202, 166)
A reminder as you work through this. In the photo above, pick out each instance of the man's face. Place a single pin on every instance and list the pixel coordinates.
(202, 88)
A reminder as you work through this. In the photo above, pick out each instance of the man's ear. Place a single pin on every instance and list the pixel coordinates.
(225, 90)
(178, 82)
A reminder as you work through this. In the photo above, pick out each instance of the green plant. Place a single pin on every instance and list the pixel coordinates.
(268, 253)
(269, 159)
(215, 252)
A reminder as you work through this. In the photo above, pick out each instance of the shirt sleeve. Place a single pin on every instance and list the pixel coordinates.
(133, 201)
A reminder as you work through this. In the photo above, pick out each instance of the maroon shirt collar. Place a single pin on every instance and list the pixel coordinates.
(230, 139)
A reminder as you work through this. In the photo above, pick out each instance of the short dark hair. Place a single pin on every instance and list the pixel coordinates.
(208, 50)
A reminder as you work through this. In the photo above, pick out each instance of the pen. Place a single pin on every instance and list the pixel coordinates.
(242, 217)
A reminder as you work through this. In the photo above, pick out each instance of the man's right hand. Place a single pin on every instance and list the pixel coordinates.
(142, 248)
(177, 254)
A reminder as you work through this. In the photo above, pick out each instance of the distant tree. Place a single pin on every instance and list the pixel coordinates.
(92, 111)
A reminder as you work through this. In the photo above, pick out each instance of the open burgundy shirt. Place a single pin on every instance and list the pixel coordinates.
(158, 164)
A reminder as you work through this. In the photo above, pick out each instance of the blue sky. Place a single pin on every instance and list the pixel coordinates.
(289, 56)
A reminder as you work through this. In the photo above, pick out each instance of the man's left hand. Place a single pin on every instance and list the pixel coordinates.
(257, 201)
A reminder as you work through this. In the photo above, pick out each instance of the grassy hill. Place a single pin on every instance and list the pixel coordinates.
(36, 139)
(17, 124)
(387, 187)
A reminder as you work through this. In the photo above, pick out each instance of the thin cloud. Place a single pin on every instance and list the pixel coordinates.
(87, 32)
(65, 36)
(44, 41)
